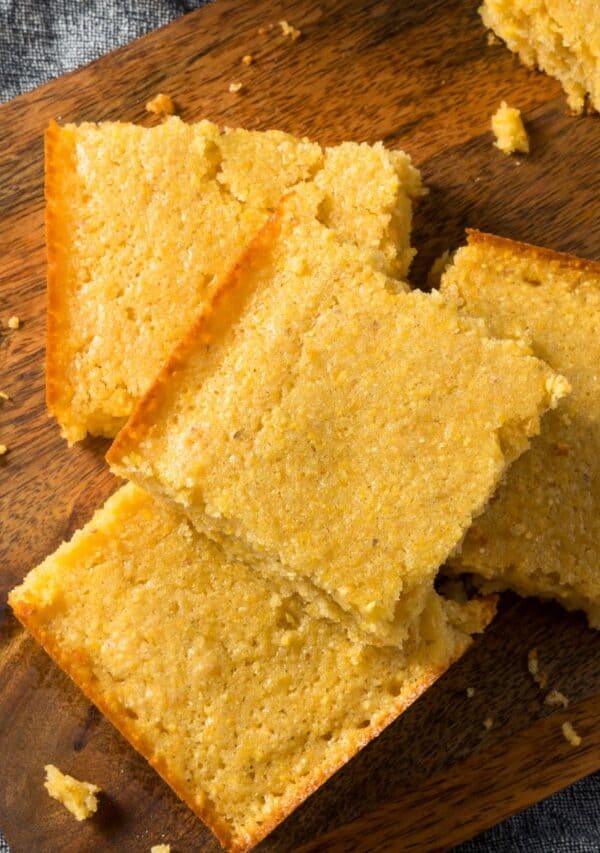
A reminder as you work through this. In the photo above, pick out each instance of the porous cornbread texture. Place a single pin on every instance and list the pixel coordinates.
(78, 797)
(562, 37)
(337, 430)
(240, 700)
(142, 221)
(541, 533)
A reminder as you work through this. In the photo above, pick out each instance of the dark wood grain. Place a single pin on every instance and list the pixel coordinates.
(420, 76)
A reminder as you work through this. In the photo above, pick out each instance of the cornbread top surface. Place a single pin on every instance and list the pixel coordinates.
(332, 426)
(242, 702)
(142, 221)
(562, 37)
(541, 533)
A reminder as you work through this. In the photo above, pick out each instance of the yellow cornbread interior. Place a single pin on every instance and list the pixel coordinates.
(78, 797)
(540, 534)
(142, 221)
(334, 429)
(561, 37)
(509, 130)
(242, 701)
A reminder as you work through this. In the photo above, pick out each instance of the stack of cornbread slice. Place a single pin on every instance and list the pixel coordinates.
(309, 442)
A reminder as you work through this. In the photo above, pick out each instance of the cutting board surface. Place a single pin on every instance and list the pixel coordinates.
(420, 75)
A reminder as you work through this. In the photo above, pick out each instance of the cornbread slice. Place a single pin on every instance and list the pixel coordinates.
(541, 534)
(561, 37)
(241, 701)
(142, 221)
(337, 430)
(77, 797)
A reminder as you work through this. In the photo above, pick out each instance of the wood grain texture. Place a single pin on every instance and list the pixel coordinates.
(420, 76)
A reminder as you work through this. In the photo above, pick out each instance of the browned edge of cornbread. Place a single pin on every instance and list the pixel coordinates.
(57, 154)
(80, 671)
(564, 258)
(215, 319)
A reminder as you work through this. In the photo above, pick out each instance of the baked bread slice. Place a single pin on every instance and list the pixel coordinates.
(330, 427)
(142, 221)
(241, 701)
(561, 37)
(541, 533)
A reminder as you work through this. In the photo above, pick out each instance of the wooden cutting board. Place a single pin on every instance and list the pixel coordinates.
(420, 76)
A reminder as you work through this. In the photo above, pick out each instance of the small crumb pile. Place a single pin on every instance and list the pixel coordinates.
(289, 31)
(78, 797)
(13, 323)
(509, 130)
(570, 734)
(161, 105)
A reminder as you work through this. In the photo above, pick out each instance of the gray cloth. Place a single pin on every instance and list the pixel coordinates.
(40, 39)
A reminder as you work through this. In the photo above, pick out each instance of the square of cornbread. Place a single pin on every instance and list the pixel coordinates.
(541, 534)
(142, 221)
(333, 428)
(239, 699)
(561, 37)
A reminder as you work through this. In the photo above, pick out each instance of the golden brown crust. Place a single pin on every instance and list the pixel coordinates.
(212, 323)
(59, 150)
(563, 258)
(78, 669)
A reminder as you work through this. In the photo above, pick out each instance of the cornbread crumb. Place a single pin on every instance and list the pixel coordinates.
(246, 726)
(248, 59)
(491, 39)
(289, 31)
(533, 665)
(488, 723)
(539, 536)
(570, 734)
(78, 797)
(161, 105)
(235, 87)
(13, 322)
(558, 36)
(4, 396)
(3, 449)
(556, 699)
(470, 692)
(161, 848)
(509, 130)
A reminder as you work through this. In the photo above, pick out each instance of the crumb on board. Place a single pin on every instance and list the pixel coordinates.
(470, 692)
(4, 396)
(161, 105)
(3, 449)
(248, 59)
(289, 31)
(509, 130)
(13, 322)
(556, 699)
(78, 797)
(235, 87)
(161, 848)
(492, 39)
(533, 665)
(488, 723)
(570, 734)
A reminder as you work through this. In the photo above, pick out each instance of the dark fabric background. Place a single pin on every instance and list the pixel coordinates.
(40, 39)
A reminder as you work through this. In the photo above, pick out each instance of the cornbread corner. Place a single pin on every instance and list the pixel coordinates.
(561, 37)
(509, 130)
(77, 797)
(142, 221)
(310, 422)
(240, 700)
(541, 534)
